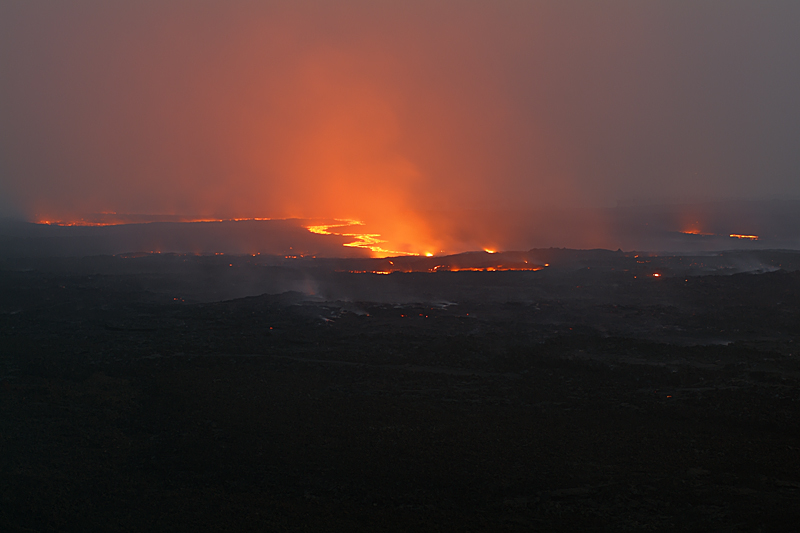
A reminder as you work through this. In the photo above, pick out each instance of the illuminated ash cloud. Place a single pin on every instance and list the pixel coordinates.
(409, 116)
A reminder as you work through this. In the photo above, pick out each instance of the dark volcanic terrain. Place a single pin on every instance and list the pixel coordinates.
(184, 393)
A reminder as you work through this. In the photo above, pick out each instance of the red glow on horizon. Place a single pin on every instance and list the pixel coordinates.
(406, 233)
(112, 219)
(694, 231)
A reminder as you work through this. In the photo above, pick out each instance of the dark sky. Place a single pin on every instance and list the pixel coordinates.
(374, 109)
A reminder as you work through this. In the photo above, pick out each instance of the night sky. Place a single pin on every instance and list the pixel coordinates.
(410, 116)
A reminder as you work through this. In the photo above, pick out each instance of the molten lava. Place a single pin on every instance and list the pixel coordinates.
(695, 231)
(113, 219)
(363, 240)
(367, 241)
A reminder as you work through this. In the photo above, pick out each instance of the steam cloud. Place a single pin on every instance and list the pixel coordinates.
(412, 116)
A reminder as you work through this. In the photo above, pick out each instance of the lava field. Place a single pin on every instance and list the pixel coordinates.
(606, 391)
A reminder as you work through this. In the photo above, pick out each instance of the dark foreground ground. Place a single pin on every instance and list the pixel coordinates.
(585, 402)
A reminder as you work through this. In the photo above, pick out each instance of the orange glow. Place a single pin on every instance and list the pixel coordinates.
(740, 236)
(694, 221)
(694, 231)
(368, 241)
(656, 275)
(427, 142)
(112, 219)
(407, 230)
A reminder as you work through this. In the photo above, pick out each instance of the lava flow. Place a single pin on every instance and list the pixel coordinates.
(113, 219)
(694, 231)
(367, 241)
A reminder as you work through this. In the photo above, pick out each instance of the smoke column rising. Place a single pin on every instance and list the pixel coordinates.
(407, 115)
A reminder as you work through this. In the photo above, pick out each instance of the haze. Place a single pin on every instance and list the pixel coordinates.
(410, 116)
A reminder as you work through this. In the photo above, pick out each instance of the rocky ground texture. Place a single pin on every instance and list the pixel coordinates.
(594, 402)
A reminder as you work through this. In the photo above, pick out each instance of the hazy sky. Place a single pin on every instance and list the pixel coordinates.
(371, 108)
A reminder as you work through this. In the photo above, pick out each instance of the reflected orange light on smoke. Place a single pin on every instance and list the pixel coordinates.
(694, 222)
(351, 149)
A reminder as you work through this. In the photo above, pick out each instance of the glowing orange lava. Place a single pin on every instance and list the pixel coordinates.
(695, 231)
(367, 241)
(112, 219)
(76, 223)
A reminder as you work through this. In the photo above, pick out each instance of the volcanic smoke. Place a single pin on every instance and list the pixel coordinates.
(438, 127)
